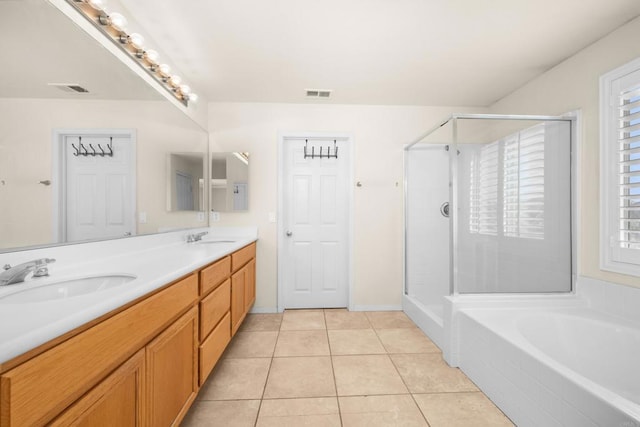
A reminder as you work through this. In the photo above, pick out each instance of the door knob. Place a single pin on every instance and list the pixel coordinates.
(289, 233)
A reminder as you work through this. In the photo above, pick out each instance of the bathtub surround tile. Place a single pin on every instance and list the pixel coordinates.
(292, 377)
(302, 343)
(262, 322)
(383, 411)
(302, 320)
(389, 320)
(429, 373)
(319, 411)
(339, 319)
(365, 375)
(460, 410)
(357, 341)
(234, 379)
(409, 340)
(252, 344)
(223, 413)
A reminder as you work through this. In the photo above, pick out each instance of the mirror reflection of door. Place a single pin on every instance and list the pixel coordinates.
(185, 182)
(184, 191)
(240, 197)
(99, 187)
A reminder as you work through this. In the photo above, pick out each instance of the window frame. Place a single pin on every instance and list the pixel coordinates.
(613, 257)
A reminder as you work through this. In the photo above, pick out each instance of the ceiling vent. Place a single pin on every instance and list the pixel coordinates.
(318, 93)
(69, 87)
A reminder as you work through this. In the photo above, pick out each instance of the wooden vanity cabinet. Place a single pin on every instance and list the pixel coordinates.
(119, 400)
(243, 284)
(141, 365)
(172, 371)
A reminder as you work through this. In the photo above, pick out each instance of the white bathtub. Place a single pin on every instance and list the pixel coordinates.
(570, 366)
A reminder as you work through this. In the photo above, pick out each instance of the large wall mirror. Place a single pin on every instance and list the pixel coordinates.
(84, 141)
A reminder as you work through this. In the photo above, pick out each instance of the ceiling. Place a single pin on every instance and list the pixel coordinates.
(41, 46)
(413, 52)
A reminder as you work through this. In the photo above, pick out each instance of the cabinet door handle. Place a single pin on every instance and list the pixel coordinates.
(289, 233)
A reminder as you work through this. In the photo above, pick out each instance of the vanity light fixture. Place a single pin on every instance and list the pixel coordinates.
(114, 25)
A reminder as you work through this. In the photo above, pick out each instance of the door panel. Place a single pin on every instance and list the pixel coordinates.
(316, 226)
(99, 189)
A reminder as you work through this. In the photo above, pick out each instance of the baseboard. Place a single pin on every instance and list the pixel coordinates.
(263, 310)
(377, 308)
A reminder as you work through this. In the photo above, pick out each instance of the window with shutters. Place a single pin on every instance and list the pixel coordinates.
(507, 186)
(620, 169)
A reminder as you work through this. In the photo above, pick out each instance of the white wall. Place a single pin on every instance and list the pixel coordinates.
(379, 133)
(573, 85)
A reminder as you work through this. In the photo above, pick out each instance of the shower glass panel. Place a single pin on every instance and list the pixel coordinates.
(513, 206)
(508, 179)
(427, 248)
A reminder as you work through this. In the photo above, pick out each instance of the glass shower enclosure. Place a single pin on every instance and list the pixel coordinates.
(488, 205)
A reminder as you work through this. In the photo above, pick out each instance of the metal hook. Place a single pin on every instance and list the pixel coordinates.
(110, 146)
(101, 149)
(94, 150)
(75, 148)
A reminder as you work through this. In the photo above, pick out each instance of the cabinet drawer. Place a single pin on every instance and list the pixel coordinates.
(39, 389)
(216, 273)
(242, 256)
(213, 308)
(212, 348)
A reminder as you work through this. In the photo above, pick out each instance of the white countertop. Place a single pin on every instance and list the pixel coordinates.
(155, 261)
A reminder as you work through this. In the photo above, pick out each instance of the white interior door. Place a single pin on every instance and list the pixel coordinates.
(99, 190)
(315, 226)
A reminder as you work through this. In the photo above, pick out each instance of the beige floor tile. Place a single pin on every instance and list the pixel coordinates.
(406, 341)
(357, 341)
(389, 319)
(252, 344)
(302, 343)
(319, 411)
(261, 322)
(460, 410)
(236, 379)
(372, 411)
(428, 373)
(292, 377)
(302, 320)
(229, 413)
(342, 319)
(364, 375)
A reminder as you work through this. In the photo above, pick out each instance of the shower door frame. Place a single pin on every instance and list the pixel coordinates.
(572, 118)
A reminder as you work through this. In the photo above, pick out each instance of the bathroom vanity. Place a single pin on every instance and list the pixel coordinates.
(141, 363)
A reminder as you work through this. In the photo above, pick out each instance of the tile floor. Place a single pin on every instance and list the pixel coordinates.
(337, 368)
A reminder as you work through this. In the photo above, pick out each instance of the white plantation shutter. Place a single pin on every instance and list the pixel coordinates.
(629, 168)
(523, 184)
(487, 199)
(620, 169)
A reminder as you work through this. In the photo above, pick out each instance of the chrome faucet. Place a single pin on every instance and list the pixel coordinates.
(18, 273)
(196, 236)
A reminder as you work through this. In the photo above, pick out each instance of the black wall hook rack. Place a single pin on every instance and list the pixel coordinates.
(321, 155)
(81, 149)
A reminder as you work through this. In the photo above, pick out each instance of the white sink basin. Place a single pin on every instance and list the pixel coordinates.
(206, 242)
(67, 289)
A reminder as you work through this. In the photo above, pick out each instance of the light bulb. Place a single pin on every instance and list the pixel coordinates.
(136, 40)
(152, 56)
(192, 97)
(164, 69)
(117, 21)
(185, 89)
(96, 4)
(175, 80)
